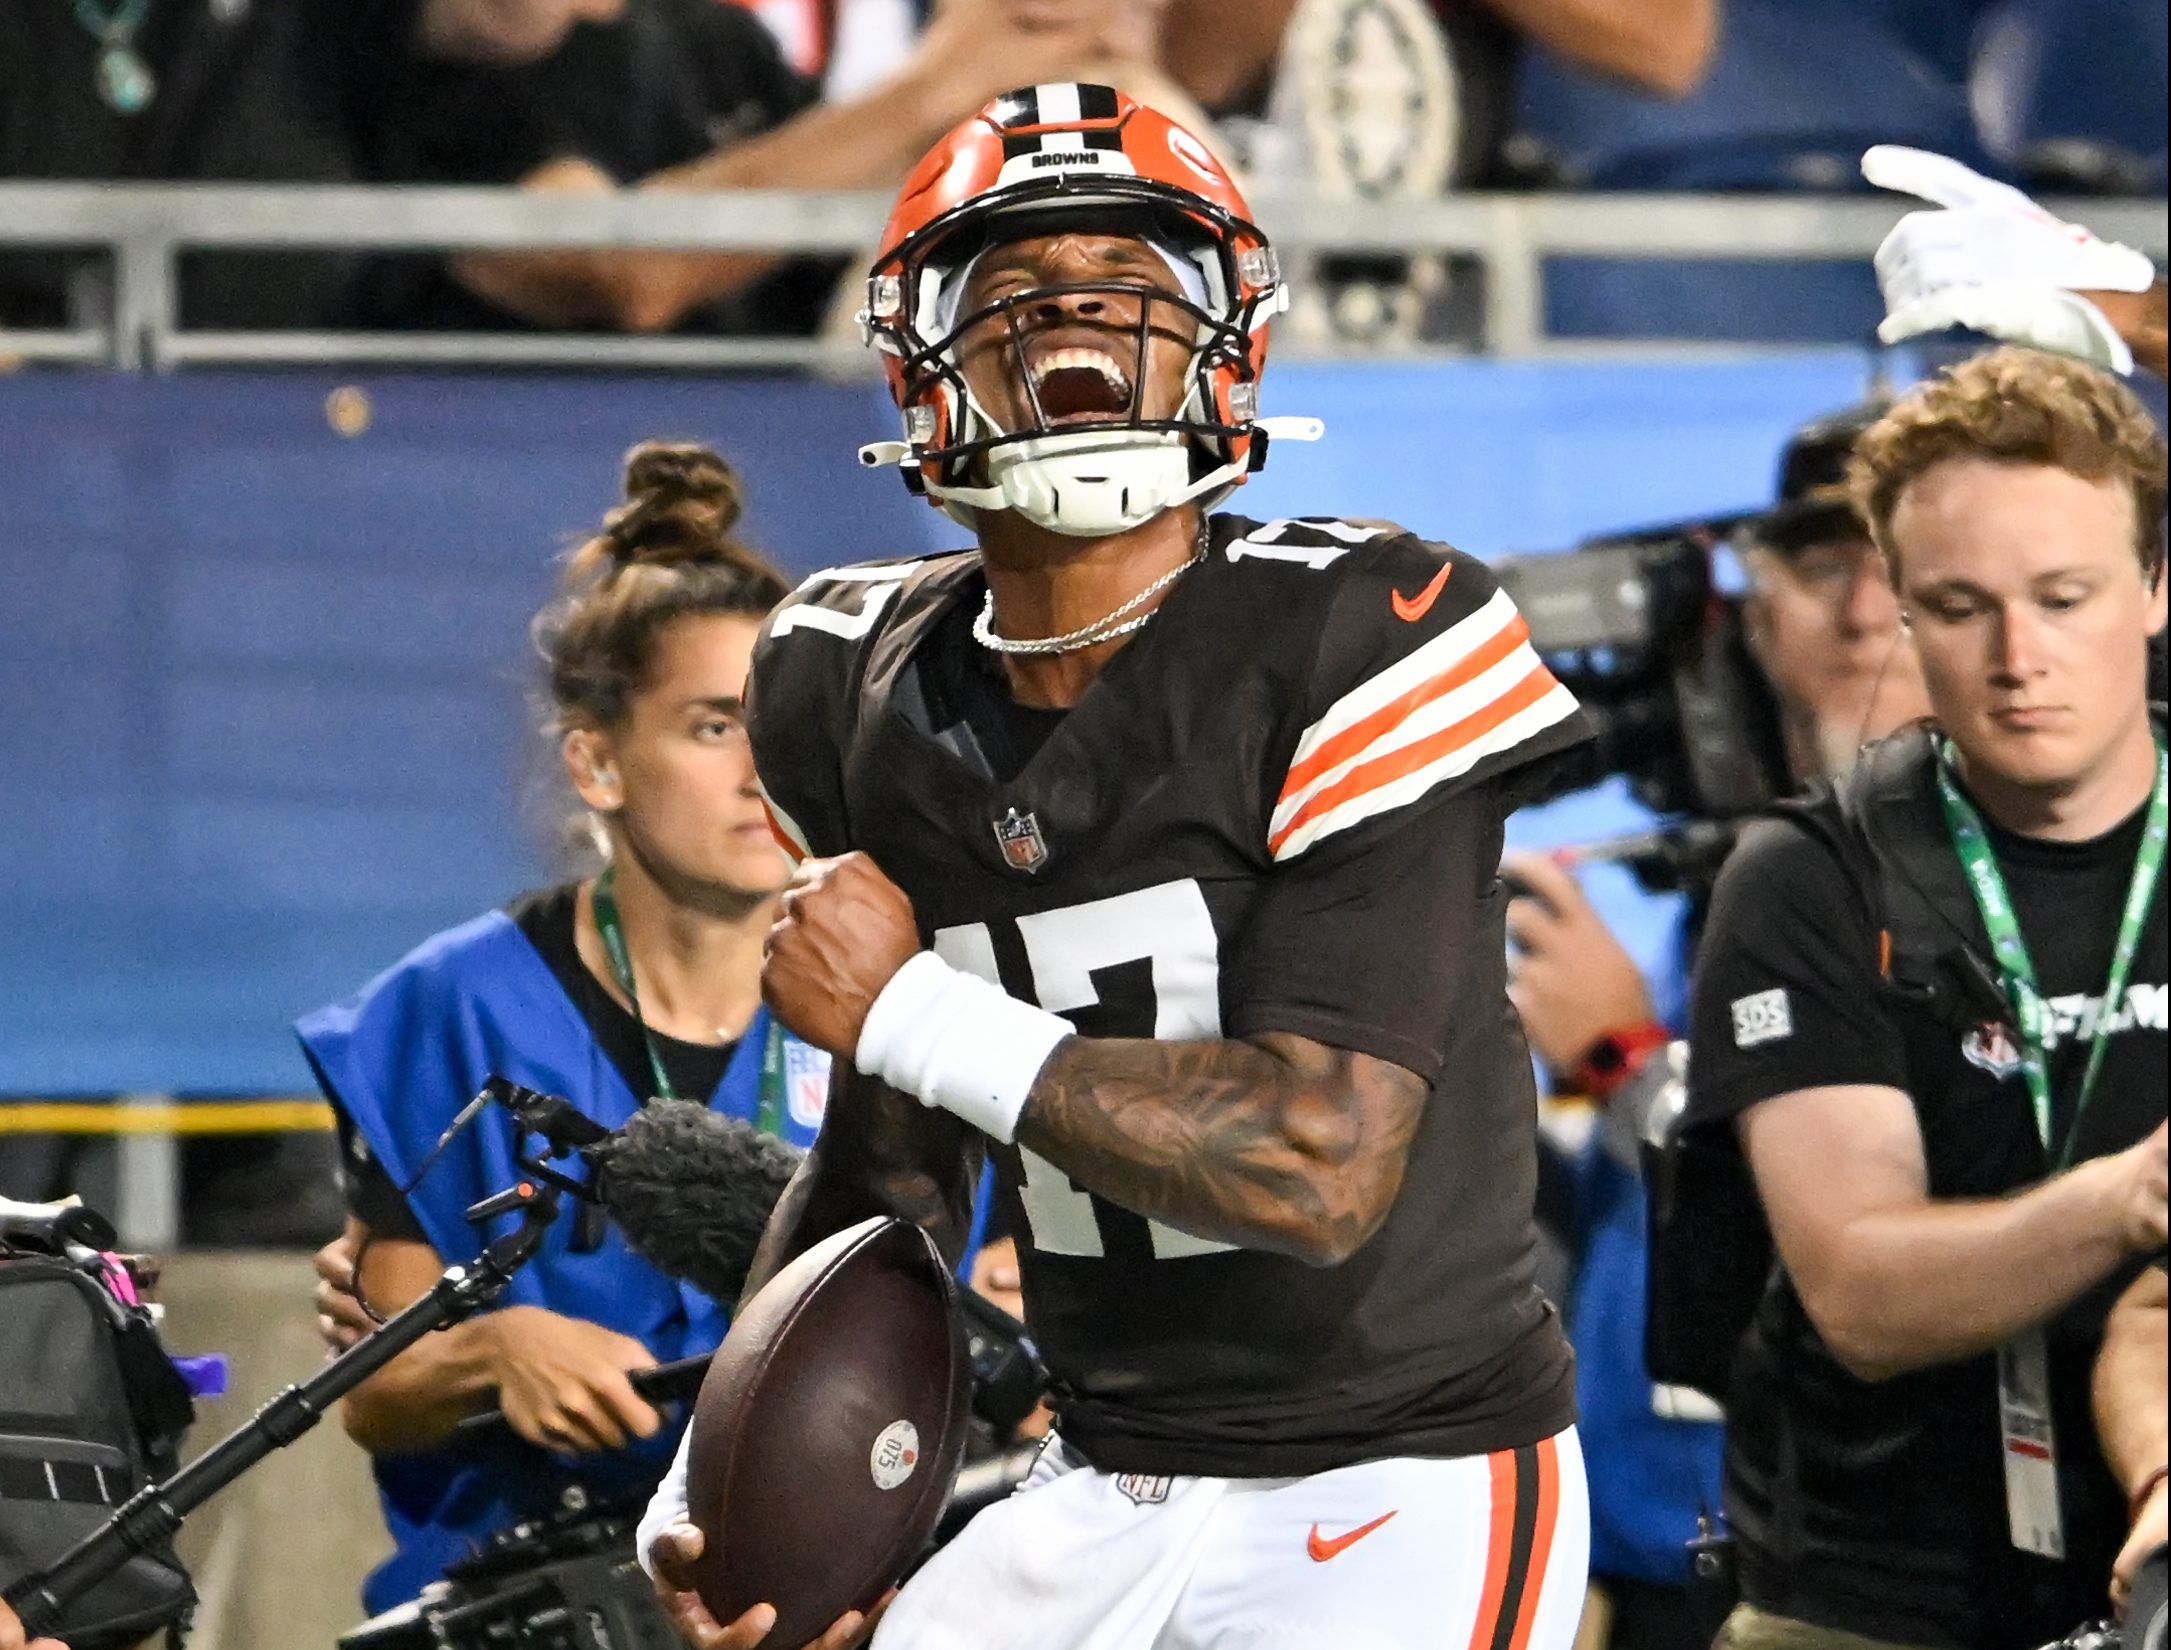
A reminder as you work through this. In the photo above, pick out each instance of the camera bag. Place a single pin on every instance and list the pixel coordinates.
(91, 1410)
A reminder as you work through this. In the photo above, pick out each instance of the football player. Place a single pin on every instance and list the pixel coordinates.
(1154, 852)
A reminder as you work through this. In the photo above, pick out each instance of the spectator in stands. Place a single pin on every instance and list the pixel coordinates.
(850, 46)
(195, 91)
(1934, 1012)
(679, 96)
(1794, 92)
(2133, 1414)
(1386, 100)
(504, 31)
(1223, 51)
(1826, 629)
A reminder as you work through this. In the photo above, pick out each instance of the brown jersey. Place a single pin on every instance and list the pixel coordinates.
(1278, 809)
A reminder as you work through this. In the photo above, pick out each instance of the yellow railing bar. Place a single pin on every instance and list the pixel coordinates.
(164, 1117)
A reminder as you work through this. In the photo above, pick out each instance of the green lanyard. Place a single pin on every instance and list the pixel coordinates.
(1971, 840)
(769, 1111)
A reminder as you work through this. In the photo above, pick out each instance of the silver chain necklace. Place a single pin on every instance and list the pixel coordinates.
(1106, 628)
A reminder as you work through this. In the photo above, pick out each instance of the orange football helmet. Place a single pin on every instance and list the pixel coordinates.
(1036, 162)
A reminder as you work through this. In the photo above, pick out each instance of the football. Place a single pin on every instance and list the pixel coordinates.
(829, 1430)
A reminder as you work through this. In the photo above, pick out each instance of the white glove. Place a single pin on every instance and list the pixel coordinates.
(1992, 260)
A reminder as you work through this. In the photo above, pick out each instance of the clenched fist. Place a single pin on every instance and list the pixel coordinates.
(842, 930)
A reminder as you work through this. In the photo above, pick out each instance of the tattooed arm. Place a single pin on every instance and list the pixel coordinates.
(879, 1153)
(1280, 1144)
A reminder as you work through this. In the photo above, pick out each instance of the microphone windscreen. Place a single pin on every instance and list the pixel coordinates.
(693, 1190)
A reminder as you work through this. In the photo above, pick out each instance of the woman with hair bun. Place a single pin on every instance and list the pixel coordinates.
(641, 981)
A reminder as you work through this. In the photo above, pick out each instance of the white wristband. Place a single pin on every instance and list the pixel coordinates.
(666, 1508)
(954, 1040)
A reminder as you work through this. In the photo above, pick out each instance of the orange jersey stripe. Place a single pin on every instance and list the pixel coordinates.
(1408, 759)
(1358, 735)
(1541, 1542)
(1499, 1550)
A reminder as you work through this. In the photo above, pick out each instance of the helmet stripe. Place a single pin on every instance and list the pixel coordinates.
(1020, 109)
(1059, 104)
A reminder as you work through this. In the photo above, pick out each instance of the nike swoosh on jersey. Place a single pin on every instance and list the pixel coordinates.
(1322, 1549)
(1410, 609)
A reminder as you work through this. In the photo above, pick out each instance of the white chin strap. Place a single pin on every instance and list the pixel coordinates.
(1086, 483)
(1092, 483)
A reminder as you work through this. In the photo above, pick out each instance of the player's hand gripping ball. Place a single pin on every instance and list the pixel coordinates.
(842, 930)
(827, 1435)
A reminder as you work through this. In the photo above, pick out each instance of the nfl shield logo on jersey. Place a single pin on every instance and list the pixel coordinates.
(1145, 1491)
(1024, 848)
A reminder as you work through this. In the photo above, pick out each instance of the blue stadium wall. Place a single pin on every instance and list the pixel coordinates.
(263, 717)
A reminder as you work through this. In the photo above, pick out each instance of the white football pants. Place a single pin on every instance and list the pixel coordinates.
(1478, 1553)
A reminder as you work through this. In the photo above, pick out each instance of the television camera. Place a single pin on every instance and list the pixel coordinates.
(1647, 631)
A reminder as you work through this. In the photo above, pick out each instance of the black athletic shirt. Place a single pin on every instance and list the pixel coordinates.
(1880, 1509)
(1279, 808)
(546, 917)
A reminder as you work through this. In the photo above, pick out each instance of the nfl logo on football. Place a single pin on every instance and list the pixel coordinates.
(896, 1455)
(1024, 848)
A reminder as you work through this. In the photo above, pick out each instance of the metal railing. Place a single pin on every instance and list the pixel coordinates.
(144, 228)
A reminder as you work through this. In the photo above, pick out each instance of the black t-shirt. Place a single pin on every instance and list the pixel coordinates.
(1880, 1509)
(664, 84)
(547, 919)
(1279, 808)
(272, 91)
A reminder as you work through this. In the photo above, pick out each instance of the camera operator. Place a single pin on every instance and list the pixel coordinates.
(639, 982)
(1961, 1150)
(2133, 1415)
(1825, 629)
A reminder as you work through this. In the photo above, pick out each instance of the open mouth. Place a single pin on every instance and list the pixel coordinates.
(1078, 386)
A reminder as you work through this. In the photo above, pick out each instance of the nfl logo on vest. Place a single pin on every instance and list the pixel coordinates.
(1023, 846)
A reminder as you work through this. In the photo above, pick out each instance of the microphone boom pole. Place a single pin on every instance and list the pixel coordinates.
(157, 1511)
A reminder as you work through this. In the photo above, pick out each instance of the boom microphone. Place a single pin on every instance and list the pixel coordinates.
(692, 1190)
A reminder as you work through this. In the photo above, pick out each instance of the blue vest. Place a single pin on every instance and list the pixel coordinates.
(399, 1060)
